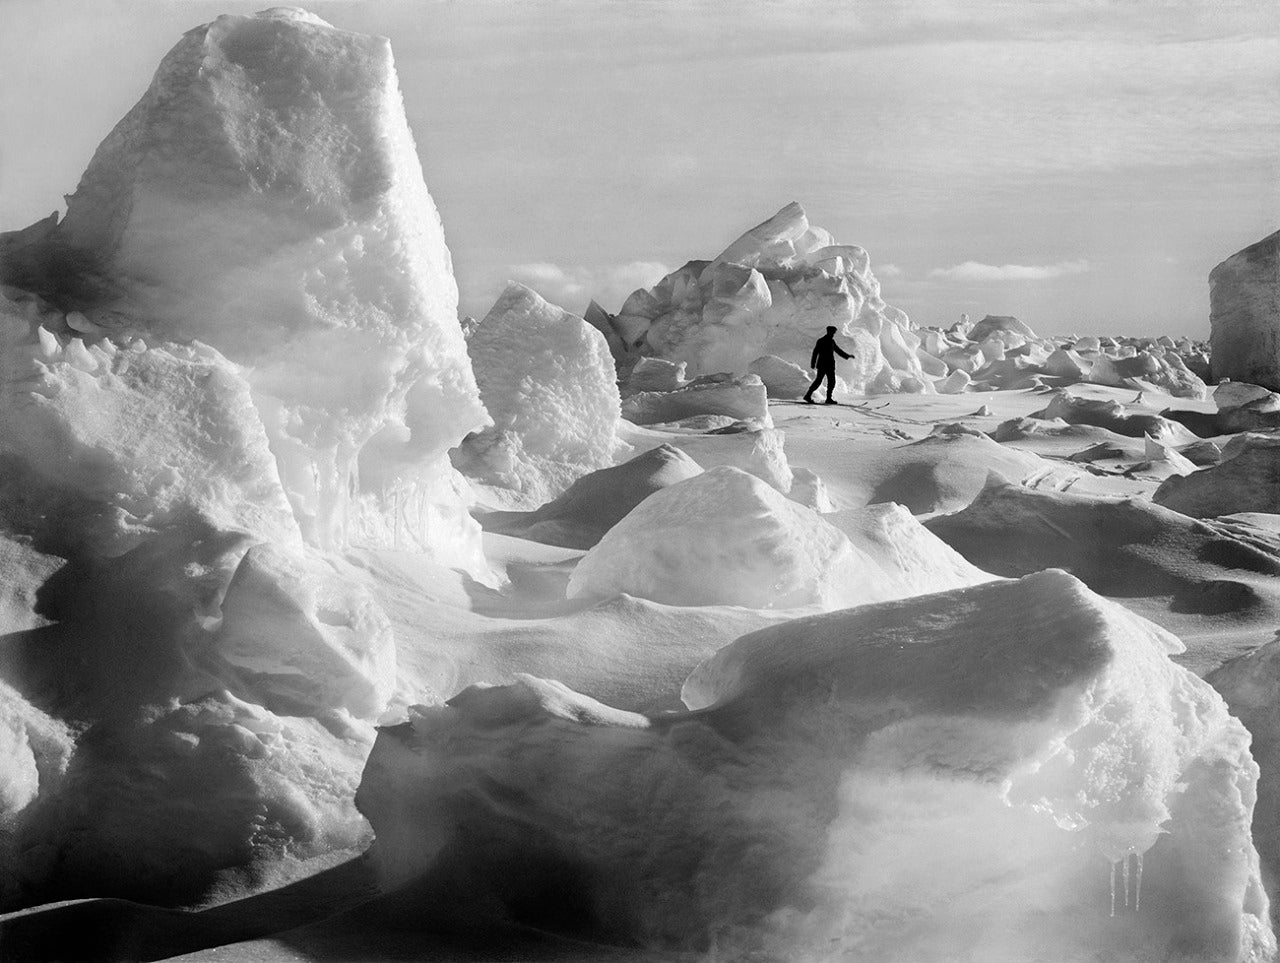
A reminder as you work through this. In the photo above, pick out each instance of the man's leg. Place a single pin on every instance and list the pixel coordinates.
(808, 395)
(830, 375)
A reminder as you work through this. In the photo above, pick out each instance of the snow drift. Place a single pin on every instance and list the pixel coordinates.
(726, 538)
(976, 772)
(595, 503)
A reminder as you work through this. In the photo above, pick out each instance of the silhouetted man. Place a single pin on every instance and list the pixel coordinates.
(824, 362)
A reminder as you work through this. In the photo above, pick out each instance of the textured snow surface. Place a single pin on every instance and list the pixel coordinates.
(1244, 315)
(953, 776)
(548, 381)
(726, 538)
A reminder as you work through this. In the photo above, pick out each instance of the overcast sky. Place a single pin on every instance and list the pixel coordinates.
(1080, 164)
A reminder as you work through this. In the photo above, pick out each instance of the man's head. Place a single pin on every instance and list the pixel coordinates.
(831, 329)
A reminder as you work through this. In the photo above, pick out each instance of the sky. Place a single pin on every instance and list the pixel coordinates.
(1081, 164)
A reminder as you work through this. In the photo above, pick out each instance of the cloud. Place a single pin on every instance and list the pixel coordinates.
(887, 271)
(574, 287)
(977, 271)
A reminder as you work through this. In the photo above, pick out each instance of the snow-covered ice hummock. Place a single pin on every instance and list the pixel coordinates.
(774, 291)
(238, 351)
(548, 381)
(724, 537)
(1013, 771)
(265, 197)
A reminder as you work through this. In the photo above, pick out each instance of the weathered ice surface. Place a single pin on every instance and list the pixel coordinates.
(596, 502)
(883, 783)
(265, 197)
(1244, 315)
(548, 382)
(1246, 480)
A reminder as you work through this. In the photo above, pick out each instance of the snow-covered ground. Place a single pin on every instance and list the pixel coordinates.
(633, 655)
(333, 628)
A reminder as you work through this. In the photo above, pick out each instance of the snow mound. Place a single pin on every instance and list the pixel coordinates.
(547, 380)
(913, 556)
(726, 538)
(595, 503)
(841, 790)
(1244, 315)
(943, 472)
(1246, 480)
(304, 633)
(743, 399)
(1113, 416)
(265, 197)
(758, 451)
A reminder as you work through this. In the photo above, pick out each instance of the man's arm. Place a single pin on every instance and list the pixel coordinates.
(813, 359)
(839, 352)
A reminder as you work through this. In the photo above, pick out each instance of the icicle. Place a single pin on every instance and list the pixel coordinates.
(1126, 879)
(1113, 888)
(1137, 888)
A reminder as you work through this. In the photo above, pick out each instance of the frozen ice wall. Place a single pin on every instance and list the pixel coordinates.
(265, 197)
(774, 291)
